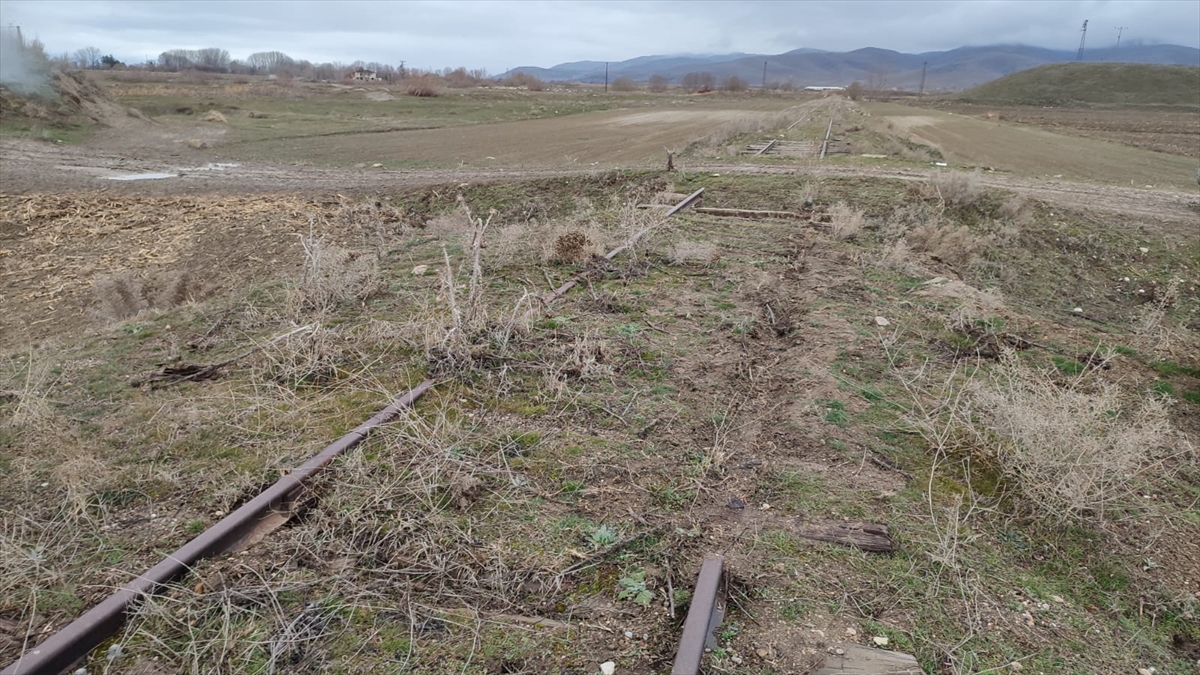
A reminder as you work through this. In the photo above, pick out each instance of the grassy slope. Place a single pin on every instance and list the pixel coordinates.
(1093, 83)
(645, 402)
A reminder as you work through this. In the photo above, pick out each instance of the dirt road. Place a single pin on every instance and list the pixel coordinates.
(32, 166)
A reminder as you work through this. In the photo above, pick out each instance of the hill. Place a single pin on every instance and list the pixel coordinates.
(950, 70)
(1093, 83)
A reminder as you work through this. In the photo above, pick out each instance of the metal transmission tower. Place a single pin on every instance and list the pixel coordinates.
(924, 67)
(1120, 29)
(1082, 40)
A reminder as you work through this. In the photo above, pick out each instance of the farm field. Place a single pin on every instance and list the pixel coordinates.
(899, 343)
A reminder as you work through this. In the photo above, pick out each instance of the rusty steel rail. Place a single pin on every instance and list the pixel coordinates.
(574, 281)
(704, 615)
(73, 642)
(687, 201)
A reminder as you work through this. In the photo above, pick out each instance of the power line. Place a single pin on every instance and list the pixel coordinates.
(1120, 29)
(1082, 40)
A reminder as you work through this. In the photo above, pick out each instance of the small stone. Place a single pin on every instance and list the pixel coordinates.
(850, 632)
(608, 668)
(839, 651)
(1145, 671)
(114, 652)
(1015, 665)
(1143, 249)
(1078, 310)
(420, 270)
(766, 506)
(1057, 598)
(736, 659)
(762, 653)
(880, 640)
(819, 633)
(880, 321)
(81, 671)
(736, 503)
(628, 635)
(376, 165)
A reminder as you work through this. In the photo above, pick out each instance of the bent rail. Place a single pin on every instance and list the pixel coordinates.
(78, 638)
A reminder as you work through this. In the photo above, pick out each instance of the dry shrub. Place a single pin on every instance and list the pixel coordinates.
(954, 245)
(215, 116)
(530, 82)
(1072, 451)
(689, 252)
(956, 188)
(1150, 322)
(571, 247)
(847, 221)
(1014, 209)
(333, 275)
(425, 87)
(124, 295)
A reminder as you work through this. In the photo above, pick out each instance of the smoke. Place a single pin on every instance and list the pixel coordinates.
(24, 67)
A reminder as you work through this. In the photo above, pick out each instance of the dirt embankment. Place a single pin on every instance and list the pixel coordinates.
(74, 100)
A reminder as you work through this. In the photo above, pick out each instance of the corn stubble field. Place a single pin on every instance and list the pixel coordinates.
(1011, 385)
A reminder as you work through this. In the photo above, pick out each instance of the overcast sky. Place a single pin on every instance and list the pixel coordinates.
(498, 35)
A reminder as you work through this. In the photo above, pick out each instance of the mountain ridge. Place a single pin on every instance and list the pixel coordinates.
(954, 69)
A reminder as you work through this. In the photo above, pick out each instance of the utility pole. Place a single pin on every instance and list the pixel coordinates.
(764, 87)
(1082, 40)
(1120, 29)
(606, 77)
(924, 68)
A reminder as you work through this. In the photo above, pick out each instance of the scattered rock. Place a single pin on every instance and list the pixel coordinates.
(420, 270)
(1015, 665)
(1145, 671)
(215, 116)
(608, 668)
(762, 653)
(376, 165)
(197, 144)
(880, 321)
(880, 640)
(1057, 598)
(736, 503)
(258, 115)
(850, 632)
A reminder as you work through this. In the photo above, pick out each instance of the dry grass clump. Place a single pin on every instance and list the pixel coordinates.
(954, 245)
(688, 252)
(24, 383)
(1071, 450)
(304, 358)
(333, 275)
(847, 221)
(215, 116)
(1014, 209)
(956, 188)
(124, 295)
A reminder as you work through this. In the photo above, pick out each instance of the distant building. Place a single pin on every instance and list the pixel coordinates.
(824, 89)
(364, 75)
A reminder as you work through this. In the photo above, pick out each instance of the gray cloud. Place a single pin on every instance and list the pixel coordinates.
(499, 35)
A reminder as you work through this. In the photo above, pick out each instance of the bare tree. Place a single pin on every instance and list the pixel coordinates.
(88, 57)
(269, 62)
(213, 59)
(658, 83)
(854, 91)
(699, 82)
(734, 83)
